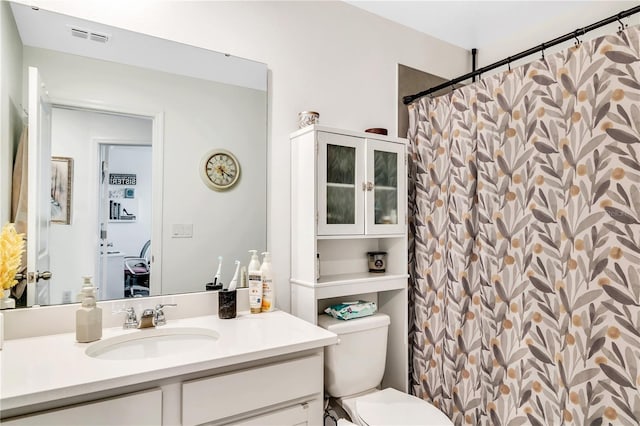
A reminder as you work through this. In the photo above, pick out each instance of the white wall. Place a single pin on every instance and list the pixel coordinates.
(322, 55)
(199, 115)
(74, 247)
(11, 115)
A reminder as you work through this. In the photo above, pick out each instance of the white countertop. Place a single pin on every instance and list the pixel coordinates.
(40, 369)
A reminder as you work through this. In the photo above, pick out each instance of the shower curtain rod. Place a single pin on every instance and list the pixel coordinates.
(579, 32)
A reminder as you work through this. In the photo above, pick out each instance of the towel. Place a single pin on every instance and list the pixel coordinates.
(19, 193)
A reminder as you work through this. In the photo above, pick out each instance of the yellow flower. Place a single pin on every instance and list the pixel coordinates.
(11, 248)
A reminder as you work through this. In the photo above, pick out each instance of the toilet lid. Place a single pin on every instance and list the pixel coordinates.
(390, 407)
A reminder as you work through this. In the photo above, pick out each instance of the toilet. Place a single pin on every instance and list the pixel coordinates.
(353, 370)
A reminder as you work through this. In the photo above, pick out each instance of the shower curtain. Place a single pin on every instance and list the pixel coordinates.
(525, 242)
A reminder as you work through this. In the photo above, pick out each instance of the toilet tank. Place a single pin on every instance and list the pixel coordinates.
(357, 362)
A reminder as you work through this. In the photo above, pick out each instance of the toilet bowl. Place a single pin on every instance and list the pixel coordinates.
(353, 371)
(390, 407)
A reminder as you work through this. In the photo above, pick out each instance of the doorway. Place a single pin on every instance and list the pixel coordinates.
(124, 200)
(82, 134)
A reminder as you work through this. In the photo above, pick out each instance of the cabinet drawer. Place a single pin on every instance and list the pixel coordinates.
(294, 415)
(143, 408)
(209, 399)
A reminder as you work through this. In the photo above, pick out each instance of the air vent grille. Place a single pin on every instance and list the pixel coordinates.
(76, 32)
(89, 35)
(100, 38)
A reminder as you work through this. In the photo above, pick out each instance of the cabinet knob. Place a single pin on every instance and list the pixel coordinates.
(369, 186)
(364, 186)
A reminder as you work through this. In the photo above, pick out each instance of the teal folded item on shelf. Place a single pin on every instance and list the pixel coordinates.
(350, 310)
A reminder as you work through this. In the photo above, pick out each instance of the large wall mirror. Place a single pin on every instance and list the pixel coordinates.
(132, 118)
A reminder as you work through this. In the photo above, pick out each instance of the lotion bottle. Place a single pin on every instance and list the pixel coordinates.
(255, 291)
(268, 286)
(88, 316)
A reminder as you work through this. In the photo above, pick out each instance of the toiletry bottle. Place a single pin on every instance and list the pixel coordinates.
(88, 316)
(255, 291)
(268, 286)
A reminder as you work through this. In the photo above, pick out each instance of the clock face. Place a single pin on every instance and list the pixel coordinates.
(219, 169)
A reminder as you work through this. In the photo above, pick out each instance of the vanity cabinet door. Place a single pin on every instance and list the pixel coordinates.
(143, 408)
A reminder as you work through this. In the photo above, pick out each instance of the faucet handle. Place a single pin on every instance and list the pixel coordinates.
(131, 320)
(159, 318)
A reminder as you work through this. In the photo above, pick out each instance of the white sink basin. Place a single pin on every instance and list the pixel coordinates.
(153, 343)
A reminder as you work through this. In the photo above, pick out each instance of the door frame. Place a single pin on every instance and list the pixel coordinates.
(157, 170)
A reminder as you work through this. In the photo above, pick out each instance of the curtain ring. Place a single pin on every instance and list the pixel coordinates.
(622, 26)
(509, 63)
(577, 42)
(542, 48)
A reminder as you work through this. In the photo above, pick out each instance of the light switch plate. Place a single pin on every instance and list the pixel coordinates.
(182, 230)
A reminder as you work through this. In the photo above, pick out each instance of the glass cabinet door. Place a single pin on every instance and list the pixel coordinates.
(386, 183)
(340, 180)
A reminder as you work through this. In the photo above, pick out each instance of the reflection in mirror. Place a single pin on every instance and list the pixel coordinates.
(135, 115)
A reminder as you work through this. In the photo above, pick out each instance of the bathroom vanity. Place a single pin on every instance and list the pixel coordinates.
(259, 369)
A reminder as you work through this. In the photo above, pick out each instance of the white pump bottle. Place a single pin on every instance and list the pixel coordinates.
(268, 286)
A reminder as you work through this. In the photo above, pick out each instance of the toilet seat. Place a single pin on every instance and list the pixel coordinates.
(390, 407)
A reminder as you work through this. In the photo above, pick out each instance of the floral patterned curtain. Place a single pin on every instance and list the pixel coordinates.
(525, 238)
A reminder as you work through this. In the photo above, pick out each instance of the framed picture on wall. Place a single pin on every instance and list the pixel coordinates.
(61, 189)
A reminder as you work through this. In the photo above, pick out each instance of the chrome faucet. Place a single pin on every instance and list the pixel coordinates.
(147, 319)
(159, 318)
(131, 320)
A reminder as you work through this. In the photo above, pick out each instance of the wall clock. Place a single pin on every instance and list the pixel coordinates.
(219, 169)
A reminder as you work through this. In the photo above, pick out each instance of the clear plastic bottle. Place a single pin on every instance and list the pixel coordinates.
(268, 285)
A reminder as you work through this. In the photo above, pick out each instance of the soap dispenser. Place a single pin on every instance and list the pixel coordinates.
(88, 316)
(87, 288)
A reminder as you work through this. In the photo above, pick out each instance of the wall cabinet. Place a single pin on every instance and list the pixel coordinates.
(348, 197)
(360, 185)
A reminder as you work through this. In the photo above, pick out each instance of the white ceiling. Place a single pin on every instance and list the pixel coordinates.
(48, 30)
(481, 24)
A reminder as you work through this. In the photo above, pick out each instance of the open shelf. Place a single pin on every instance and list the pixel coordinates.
(347, 284)
(358, 277)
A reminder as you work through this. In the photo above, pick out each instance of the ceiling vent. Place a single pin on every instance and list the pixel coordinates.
(100, 38)
(77, 32)
(89, 35)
